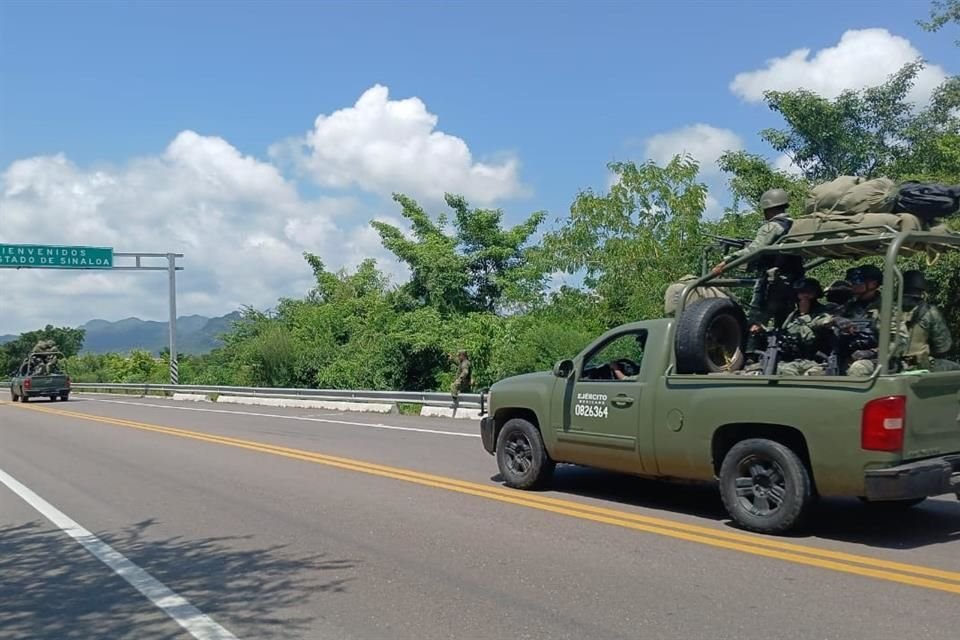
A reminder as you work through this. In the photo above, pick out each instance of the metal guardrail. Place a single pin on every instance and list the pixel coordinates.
(427, 398)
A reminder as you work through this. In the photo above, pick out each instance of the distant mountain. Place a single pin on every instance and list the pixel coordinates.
(195, 334)
(6, 339)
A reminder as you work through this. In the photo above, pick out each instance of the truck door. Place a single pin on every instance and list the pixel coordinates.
(603, 411)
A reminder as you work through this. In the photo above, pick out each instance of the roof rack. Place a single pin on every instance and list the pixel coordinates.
(858, 242)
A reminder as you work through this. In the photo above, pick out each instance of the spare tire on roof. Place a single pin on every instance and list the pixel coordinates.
(711, 337)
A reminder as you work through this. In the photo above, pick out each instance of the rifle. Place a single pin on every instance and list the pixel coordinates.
(770, 357)
(723, 241)
(849, 336)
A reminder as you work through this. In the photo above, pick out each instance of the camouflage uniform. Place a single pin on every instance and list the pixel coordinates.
(462, 381)
(768, 233)
(803, 338)
(864, 363)
(857, 309)
(777, 225)
(929, 336)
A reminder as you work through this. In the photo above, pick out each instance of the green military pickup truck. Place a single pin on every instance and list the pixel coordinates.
(40, 376)
(635, 401)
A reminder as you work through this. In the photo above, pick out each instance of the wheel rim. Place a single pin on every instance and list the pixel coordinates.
(761, 486)
(723, 340)
(519, 453)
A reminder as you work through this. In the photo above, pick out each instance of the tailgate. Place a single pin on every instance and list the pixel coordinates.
(933, 416)
(54, 382)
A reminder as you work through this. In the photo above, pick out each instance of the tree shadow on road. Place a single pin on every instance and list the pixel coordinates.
(843, 519)
(51, 587)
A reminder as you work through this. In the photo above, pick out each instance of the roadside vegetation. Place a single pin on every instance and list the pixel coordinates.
(479, 284)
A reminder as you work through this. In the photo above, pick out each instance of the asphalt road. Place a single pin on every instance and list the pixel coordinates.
(269, 523)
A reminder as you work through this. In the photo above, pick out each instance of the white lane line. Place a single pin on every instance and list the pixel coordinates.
(300, 418)
(198, 624)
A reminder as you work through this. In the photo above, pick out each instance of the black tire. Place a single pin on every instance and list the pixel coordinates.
(24, 398)
(13, 395)
(711, 337)
(64, 396)
(765, 486)
(521, 456)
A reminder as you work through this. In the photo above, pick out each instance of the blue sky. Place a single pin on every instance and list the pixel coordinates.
(561, 88)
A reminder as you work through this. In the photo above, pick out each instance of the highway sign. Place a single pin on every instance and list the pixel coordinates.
(39, 256)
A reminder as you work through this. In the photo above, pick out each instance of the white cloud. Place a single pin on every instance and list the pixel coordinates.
(863, 58)
(704, 142)
(240, 224)
(383, 145)
(785, 164)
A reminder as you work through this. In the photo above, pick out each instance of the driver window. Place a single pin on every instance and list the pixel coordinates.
(617, 359)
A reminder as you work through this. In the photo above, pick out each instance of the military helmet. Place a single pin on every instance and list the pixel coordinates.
(914, 280)
(774, 198)
(809, 283)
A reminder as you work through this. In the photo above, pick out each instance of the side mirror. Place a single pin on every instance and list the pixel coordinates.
(563, 369)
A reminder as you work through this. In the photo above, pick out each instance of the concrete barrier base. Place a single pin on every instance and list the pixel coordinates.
(191, 397)
(448, 412)
(297, 403)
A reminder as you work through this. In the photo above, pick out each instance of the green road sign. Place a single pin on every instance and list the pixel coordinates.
(39, 256)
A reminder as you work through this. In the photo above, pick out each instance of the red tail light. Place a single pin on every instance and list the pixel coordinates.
(883, 422)
(26, 383)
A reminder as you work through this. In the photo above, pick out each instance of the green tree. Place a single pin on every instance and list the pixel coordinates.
(67, 339)
(480, 267)
(631, 242)
(871, 132)
(942, 12)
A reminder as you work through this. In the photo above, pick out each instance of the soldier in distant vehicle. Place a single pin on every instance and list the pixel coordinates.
(929, 336)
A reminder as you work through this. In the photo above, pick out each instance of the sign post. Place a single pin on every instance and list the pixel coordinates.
(41, 256)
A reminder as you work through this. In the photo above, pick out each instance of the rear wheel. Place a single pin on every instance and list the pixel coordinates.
(24, 398)
(13, 395)
(765, 486)
(64, 396)
(521, 456)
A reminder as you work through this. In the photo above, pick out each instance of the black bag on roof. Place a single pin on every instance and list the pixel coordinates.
(928, 201)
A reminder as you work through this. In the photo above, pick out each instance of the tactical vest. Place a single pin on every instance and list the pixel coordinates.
(918, 345)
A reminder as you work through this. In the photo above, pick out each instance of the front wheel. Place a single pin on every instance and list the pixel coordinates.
(765, 486)
(521, 456)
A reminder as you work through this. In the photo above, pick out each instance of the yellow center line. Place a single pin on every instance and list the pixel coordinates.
(915, 575)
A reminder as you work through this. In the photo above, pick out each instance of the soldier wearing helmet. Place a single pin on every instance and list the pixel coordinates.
(806, 331)
(763, 307)
(773, 204)
(865, 282)
(929, 336)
